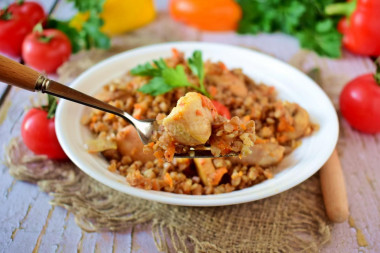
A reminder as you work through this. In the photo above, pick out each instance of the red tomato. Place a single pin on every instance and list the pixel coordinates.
(221, 109)
(32, 11)
(13, 29)
(46, 50)
(360, 103)
(38, 134)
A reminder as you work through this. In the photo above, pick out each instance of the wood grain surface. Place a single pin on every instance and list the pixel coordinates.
(30, 224)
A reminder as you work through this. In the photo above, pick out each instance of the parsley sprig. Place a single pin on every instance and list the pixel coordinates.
(89, 35)
(304, 19)
(165, 79)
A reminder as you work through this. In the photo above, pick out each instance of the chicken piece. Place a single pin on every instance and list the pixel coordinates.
(129, 144)
(301, 121)
(264, 155)
(189, 123)
(231, 81)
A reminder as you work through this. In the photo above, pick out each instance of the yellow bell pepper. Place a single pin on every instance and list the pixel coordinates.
(120, 16)
(124, 15)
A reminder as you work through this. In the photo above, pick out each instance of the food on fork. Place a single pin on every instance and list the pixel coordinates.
(195, 123)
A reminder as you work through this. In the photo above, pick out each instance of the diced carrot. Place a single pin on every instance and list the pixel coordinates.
(159, 154)
(168, 179)
(271, 89)
(175, 52)
(217, 175)
(198, 112)
(169, 153)
(155, 185)
(243, 126)
(136, 115)
(222, 65)
(246, 118)
(213, 90)
(260, 141)
(94, 118)
(282, 138)
(284, 125)
(151, 144)
(137, 106)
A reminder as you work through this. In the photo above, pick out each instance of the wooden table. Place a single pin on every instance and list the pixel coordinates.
(29, 223)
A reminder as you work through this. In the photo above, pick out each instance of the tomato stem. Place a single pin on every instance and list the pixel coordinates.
(20, 2)
(5, 14)
(38, 28)
(52, 106)
(377, 74)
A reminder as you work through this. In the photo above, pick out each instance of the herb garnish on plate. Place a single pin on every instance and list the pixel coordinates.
(166, 78)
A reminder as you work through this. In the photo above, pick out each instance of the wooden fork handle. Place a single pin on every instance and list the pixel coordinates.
(334, 189)
(16, 74)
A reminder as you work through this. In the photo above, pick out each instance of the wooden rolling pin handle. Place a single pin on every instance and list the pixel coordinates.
(14, 73)
(334, 189)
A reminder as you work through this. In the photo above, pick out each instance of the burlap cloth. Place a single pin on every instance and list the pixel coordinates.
(294, 220)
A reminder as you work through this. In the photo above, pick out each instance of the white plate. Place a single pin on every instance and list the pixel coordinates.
(292, 85)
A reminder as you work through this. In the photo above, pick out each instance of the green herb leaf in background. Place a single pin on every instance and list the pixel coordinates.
(90, 34)
(94, 36)
(304, 19)
(87, 5)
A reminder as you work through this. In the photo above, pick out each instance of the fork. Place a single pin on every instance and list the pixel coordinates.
(19, 75)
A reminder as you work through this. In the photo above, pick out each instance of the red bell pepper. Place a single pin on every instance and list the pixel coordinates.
(360, 27)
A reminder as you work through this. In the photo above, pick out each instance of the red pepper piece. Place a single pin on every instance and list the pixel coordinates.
(361, 30)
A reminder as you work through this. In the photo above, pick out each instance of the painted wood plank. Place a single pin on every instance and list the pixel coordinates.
(123, 241)
(142, 239)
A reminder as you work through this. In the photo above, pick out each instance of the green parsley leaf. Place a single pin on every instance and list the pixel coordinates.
(160, 64)
(196, 65)
(324, 39)
(304, 19)
(87, 5)
(156, 86)
(90, 35)
(166, 79)
(148, 69)
(176, 77)
(94, 36)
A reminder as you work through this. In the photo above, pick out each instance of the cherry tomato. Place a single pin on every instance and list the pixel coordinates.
(13, 29)
(46, 50)
(32, 11)
(38, 134)
(360, 103)
(221, 109)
